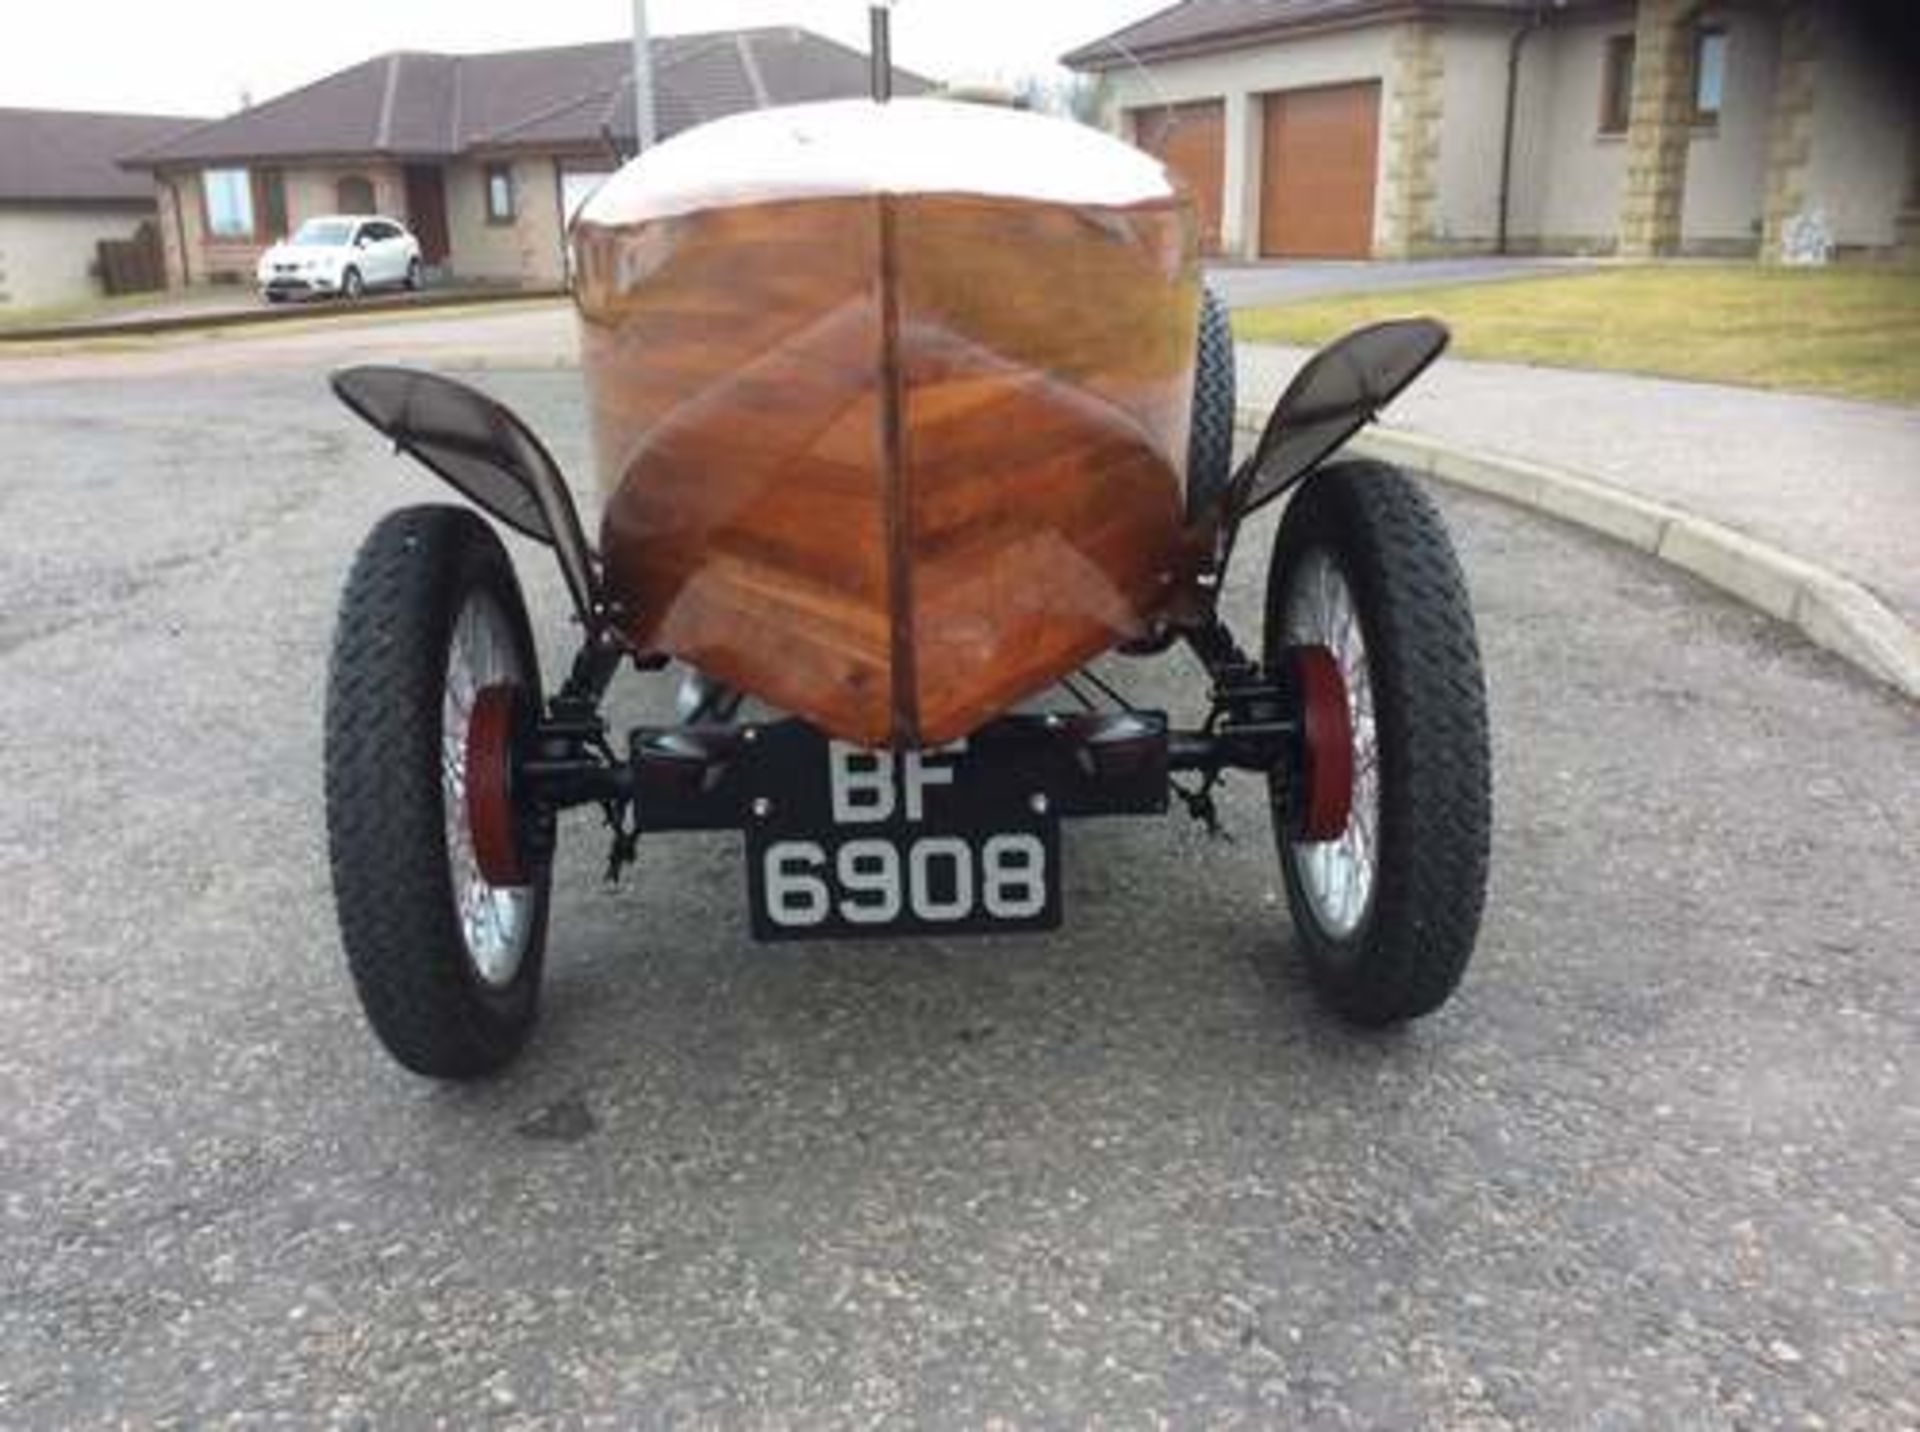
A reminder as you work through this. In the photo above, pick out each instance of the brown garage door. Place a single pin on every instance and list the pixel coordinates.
(1190, 139)
(1318, 156)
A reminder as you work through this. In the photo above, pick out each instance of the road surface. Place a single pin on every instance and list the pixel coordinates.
(1654, 1166)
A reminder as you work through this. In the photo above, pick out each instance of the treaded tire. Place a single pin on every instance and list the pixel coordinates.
(1411, 945)
(352, 285)
(392, 879)
(1210, 440)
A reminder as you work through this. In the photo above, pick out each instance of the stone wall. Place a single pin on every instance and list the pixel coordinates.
(528, 248)
(1412, 143)
(167, 193)
(1659, 128)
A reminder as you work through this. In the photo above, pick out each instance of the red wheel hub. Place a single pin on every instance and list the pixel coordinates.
(1325, 788)
(490, 815)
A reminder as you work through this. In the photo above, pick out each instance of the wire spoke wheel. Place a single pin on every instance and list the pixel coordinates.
(1338, 875)
(1386, 905)
(495, 921)
(432, 629)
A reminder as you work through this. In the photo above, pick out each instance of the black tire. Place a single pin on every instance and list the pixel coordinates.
(1210, 441)
(414, 274)
(1415, 934)
(352, 285)
(393, 882)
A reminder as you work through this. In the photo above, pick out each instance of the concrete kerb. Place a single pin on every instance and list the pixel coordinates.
(1833, 612)
(371, 306)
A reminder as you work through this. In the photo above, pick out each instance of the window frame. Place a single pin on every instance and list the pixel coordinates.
(503, 171)
(1703, 36)
(1616, 86)
(216, 234)
(265, 192)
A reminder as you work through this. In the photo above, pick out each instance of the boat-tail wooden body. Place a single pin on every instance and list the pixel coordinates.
(891, 405)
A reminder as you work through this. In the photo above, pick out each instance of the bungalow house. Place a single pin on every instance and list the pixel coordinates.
(485, 157)
(61, 193)
(1404, 128)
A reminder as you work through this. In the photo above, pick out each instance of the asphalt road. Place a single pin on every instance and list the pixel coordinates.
(1654, 1167)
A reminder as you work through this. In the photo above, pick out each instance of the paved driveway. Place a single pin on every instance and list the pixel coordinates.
(1250, 285)
(1832, 481)
(1653, 1168)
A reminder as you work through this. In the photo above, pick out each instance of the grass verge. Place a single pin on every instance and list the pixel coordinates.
(1854, 332)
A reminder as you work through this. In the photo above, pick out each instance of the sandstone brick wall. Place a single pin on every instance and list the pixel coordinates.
(1659, 128)
(1411, 139)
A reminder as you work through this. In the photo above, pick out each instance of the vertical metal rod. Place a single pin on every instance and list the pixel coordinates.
(1514, 45)
(880, 29)
(642, 78)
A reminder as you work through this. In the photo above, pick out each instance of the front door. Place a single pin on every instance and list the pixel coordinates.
(427, 210)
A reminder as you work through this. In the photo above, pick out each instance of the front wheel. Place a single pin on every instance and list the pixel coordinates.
(414, 273)
(432, 636)
(352, 285)
(1387, 895)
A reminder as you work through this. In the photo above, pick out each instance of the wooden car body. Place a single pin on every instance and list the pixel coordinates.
(891, 405)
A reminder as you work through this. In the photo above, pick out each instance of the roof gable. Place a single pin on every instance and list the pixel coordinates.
(49, 155)
(421, 105)
(339, 114)
(1199, 26)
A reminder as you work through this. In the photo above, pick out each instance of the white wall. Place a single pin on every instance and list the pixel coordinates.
(47, 253)
(1727, 163)
(1473, 121)
(1240, 78)
(1863, 125)
(1568, 176)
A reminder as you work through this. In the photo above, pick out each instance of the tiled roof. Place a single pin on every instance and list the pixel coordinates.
(413, 104)
(1195, 26)
(50, 155)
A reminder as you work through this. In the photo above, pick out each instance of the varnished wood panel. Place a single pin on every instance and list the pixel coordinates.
(891, 462)
(1047, 356)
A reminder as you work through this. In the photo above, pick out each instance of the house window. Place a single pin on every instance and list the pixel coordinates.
(229, 203)
(1616, 86)
(500, 196)
(245, 205)
(354, 194)
(1709, 74)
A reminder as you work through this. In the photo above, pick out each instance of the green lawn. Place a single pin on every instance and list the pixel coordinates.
(1849, 331)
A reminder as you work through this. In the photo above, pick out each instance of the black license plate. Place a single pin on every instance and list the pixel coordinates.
(844, 842)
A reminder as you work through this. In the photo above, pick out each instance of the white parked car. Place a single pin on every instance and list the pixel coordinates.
(344, 254)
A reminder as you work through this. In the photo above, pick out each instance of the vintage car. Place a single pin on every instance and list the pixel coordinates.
(904, 413)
